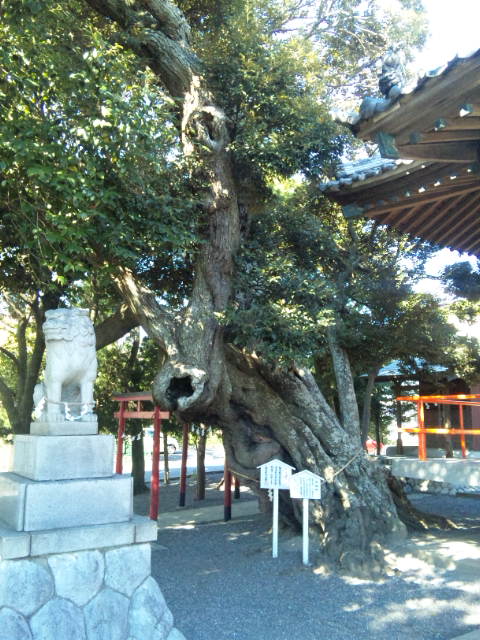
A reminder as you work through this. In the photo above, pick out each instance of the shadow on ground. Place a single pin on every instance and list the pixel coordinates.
(222, 584)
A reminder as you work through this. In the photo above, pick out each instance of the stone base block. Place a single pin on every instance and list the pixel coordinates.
(63, 457)
(27, 505)
(65, 428)
(459, 473)
(95, 594)
(21, 544)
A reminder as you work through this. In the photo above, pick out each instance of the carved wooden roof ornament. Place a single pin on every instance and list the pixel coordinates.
(426, 179)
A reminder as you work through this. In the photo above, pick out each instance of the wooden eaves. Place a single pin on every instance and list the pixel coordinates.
(427, 181)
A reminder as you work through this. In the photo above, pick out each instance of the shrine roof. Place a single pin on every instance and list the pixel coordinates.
(426, 180)
(457, 71)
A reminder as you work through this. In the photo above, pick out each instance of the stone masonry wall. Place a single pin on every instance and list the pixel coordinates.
(106, 594)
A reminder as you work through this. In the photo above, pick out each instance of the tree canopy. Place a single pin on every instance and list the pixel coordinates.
(167, 155)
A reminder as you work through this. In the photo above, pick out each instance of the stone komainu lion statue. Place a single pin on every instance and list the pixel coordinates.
(71, 366)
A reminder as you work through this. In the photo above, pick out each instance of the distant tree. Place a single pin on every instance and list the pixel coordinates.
(462, 280)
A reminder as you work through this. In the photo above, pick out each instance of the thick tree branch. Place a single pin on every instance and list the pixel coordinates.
(22, 350)
(11, 356)
(346, 391)
(115, 327)
(158, 33)
(32, 369)
(155, 318)
(8, 400)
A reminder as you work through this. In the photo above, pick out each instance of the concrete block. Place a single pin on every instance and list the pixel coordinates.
(63, 457)
(175, 634)
(33, 506)
(459, 473)
(12, 500)
(147, 608)
(13, 625)
(81, 538)
(145, 529)
(13, 544)
(65, 428)
(164, 625)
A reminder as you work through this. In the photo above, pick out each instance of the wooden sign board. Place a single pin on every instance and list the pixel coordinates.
(306, 485)
(275, 474)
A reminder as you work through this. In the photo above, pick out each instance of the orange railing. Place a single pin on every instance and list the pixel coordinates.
(460, 400)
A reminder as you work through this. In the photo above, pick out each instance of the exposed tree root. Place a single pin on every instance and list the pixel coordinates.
(414, 519)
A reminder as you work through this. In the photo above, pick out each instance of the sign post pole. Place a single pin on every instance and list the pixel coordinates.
(275, 524)
(305, 531)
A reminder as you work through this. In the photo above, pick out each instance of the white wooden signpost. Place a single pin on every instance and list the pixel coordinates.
(275, 475)
(306, 486)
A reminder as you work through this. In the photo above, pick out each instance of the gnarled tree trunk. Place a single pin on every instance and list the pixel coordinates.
(264, 412)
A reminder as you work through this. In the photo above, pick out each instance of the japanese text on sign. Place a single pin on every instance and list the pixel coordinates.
(275, 475)
(306, 486)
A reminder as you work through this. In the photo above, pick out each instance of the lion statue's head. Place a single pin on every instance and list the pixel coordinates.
(74, 325)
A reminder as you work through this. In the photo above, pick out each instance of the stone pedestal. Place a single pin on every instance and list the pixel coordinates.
(65, 457)
(74, 559)
(64, 428)
(99, 594)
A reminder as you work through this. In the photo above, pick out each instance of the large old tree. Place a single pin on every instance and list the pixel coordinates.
(245, 88)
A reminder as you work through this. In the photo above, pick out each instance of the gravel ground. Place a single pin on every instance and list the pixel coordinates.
(221, 583)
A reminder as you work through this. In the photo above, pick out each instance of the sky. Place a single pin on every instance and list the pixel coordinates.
(454, 30)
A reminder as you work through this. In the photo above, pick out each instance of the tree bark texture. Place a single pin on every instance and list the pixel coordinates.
(367, 402)
(283, 414)
(264, 412)
(166, 461)
(201, 477)
(138, 461)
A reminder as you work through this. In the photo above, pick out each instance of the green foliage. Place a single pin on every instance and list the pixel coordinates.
(278, 68)
(462, 280)
(92, 174)
(123, 367)
(306, 268)
(88, 152)
(352, 36)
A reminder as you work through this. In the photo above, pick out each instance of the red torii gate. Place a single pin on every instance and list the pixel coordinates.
(158, 415)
